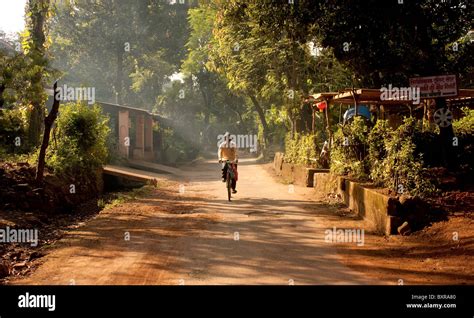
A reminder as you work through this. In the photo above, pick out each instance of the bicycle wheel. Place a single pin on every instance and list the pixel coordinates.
(229, 185)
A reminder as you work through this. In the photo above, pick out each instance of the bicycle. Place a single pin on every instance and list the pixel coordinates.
(230, 176)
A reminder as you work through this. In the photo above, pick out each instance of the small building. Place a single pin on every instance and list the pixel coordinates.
(132, 129)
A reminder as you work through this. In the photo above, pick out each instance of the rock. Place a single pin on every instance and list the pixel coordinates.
(38, 191)
(404, 229)
(404, 199)
(4, 270)
(36, 203)
(415, 210)
(25, 171)
(24, 205)
(31, 194)
(16, 255)
(35, 255)
(19, 266)
(21, 187)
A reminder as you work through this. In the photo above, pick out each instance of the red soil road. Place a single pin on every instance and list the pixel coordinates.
(268, 234)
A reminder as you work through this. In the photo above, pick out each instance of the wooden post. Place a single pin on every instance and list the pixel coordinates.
(355, 102)
(328, 124)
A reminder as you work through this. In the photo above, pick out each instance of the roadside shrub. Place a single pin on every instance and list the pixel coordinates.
(13, 126)
(377, 138)
(385, 156)
(464, 125)
(464, 131)
(301, 149)
(349, 150)
(79, 142)
(394, 161)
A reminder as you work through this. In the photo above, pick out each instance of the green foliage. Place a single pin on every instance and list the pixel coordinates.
(124, 197)
(464, 131)
(418, 36)
(262, 49)
(464, 125)
(13, 126)
(349, 149)
(301, 149)
(376, 139)
(394, 162)
(79, 143)
(141, 44)
(402, 170)
(377, 152)
(385, 156)
(175, 147)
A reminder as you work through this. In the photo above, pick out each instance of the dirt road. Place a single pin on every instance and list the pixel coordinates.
(186, 232)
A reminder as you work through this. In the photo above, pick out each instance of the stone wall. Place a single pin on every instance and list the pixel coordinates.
(379, 209)
(292, 173)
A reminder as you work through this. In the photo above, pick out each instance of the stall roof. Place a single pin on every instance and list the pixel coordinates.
(318, 97)
(372, 96)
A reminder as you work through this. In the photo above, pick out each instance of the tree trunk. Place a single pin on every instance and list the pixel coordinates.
(261, 115)
(38, 10)
(2, 89)
(48, 124)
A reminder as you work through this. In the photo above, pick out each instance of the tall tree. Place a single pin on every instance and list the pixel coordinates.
(218, 101)
(126, 49)
(263, 49)
(387, 42)
(34, 43)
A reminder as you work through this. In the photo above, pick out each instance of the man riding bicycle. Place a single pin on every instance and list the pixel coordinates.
(228, 151)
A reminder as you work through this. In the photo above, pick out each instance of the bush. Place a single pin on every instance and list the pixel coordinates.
(394, 161)
(464, 125)
(176, 148)
(387, 157)
(12, 126)
(464, 131)
(349, 150)
(79, 142)
(377, 151)
(301, 149)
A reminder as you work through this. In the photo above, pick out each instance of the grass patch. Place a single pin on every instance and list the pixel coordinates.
(124, 197)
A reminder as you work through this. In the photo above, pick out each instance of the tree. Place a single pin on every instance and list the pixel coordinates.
(126, 50)
(386, 42)
(34, 44)
(219, 102)
(48, 124)
(263, 49)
